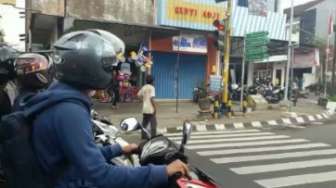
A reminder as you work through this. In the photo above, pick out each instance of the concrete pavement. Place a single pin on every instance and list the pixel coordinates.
(169, 120)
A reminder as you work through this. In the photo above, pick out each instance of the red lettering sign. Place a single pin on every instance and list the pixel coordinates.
(193, 12)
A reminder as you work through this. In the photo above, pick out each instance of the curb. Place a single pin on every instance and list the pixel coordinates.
(293, 122)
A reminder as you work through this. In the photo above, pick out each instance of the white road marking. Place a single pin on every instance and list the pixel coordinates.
(224, 135)
(256, 124)
(238, 125)
(242, 144)
(238, 139)
(220, 126)
(311, 118)
(272, 122)
(262, 149)
(217, 132)
(225, 160)
(284, 166)
(287, 121)
(300, 120)
(298, 180)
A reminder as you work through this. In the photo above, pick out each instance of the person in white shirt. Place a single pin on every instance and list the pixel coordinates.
(147, 95)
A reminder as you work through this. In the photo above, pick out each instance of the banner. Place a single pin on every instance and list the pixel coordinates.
(258, 7)
(190, 43)
(12, 2)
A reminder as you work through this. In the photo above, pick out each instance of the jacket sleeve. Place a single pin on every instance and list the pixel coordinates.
(75, 137)
(111, 151)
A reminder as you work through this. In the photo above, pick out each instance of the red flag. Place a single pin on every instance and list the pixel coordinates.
(330, 25)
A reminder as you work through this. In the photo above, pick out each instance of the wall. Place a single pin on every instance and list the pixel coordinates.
(125, 11)
(10, 15)
(49, 7)
(323, 11)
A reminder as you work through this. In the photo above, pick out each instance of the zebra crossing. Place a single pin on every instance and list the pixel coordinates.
(272, 160)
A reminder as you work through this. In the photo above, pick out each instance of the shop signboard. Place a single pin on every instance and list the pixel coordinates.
(190, 43)
(215, 83)
(193, 14)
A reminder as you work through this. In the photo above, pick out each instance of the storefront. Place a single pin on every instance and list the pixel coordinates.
(271, 70)
(184, 61)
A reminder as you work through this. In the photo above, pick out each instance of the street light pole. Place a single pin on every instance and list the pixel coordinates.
(289, 59)
(227, 52)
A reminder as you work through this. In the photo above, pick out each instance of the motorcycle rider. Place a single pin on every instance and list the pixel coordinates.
(34, 73)
(7, 74)
(62, 134)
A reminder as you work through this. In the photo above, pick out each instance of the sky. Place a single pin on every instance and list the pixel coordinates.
(286, 3)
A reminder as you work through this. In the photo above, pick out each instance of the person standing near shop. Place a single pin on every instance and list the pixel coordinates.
(147, 95)
(114, 89)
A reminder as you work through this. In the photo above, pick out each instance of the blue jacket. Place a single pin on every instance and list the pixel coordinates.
(62, 134)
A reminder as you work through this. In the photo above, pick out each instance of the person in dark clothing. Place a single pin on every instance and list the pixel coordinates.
(114, 90)
(62, 133)
(147, 94)
(33, 74)
(6, 75)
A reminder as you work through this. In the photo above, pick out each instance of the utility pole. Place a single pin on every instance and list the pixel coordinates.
(227, 49)
(289, 59)
(334, 63)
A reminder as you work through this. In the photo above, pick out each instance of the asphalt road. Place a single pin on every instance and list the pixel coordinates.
(289, 157)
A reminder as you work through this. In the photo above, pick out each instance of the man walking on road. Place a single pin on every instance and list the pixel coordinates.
(147, 94)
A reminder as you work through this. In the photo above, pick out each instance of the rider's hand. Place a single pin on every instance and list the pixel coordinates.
(176, 167)
(130, 148)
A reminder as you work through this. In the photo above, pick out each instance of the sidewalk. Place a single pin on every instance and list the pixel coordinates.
(168, 118)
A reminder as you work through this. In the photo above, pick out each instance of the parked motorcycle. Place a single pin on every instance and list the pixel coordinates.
(160, 150)
(274, 95)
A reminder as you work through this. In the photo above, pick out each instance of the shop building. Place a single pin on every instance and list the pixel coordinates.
(178, 33)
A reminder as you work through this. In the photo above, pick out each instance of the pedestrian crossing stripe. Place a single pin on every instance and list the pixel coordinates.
(237, 139)
(216, 132)
(224, 135)
(297, 180)
(311, 118)
(275, 167)
(279, 153)
(262, 149)
(226, 160)
(286, 121)
(243, 144)
(220, 127)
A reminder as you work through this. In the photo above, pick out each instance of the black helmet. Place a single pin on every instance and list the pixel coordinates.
(85, 59)
(33, 71)
(7, 56)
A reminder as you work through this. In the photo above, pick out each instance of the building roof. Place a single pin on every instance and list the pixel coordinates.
(300, 9)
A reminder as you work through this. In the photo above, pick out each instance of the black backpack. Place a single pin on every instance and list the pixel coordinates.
(19, 161)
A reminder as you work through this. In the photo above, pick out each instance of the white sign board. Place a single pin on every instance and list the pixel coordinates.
(190, 43)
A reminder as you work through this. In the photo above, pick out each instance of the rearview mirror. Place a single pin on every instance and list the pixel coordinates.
(187, 129)
(129, 124)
